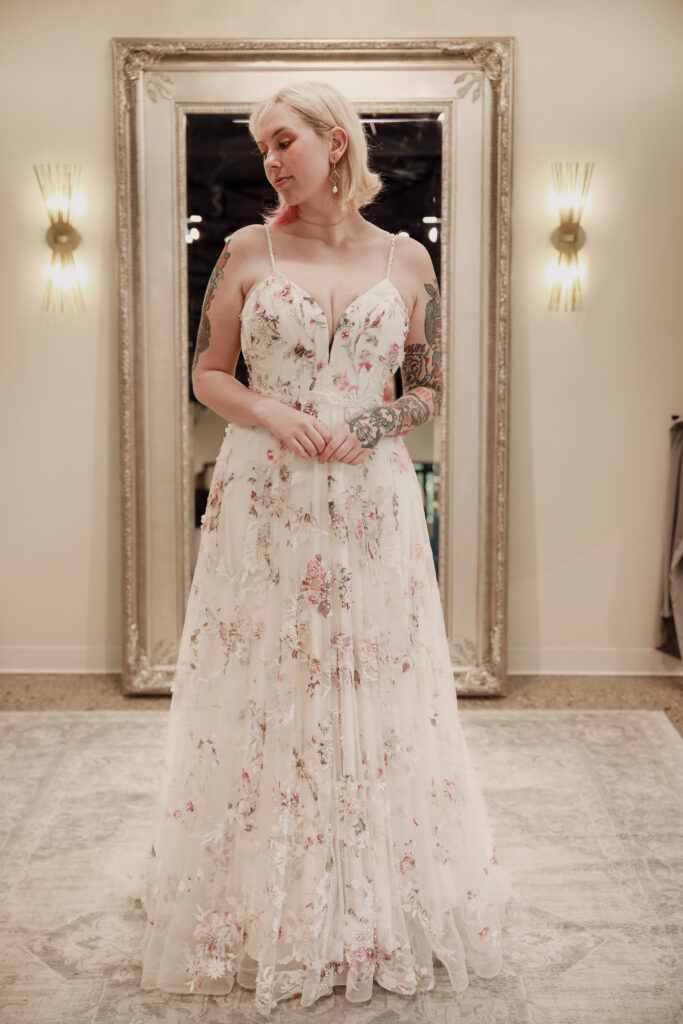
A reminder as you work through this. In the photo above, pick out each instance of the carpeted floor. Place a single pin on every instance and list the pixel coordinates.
(591, 693)
(585, 807)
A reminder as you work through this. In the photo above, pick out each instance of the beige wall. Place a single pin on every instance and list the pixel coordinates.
(590, 394)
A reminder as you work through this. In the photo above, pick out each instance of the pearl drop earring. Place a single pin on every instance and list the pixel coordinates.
(333, 178)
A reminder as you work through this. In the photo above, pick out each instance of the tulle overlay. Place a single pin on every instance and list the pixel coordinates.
(319, 821)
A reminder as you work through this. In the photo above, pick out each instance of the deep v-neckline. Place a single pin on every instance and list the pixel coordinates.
(343, 314)
(330, 341)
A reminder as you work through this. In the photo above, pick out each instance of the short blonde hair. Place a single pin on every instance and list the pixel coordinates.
(322, 107)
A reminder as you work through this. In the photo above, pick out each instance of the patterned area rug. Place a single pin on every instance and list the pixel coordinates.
(585, 808)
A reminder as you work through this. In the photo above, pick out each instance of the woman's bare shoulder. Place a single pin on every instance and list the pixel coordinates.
(413, 256)
(248, 246)
(248, 239)
(412, 267)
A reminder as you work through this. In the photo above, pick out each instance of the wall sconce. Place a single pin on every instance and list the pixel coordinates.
(59, 188)
(566, 273)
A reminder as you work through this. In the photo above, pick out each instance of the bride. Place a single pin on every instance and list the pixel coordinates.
(319, 822)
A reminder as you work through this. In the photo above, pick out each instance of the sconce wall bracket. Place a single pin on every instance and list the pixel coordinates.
(568, 237)
(62, 237)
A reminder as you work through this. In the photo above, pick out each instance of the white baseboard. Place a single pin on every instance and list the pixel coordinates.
(592, 661)
(53, 659)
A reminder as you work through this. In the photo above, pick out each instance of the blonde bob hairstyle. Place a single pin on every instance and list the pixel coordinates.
(323, 107)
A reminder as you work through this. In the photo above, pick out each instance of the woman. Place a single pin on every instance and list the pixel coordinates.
(319, 822)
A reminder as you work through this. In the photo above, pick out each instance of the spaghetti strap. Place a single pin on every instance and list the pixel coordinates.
(391, 255)
(270, 246)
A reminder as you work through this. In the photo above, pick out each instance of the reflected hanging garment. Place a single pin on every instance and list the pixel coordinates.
(670, 626)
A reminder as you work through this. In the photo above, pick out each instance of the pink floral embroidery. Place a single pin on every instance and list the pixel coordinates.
(316, 584)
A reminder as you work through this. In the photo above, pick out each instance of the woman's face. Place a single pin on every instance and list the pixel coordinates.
(292, 151)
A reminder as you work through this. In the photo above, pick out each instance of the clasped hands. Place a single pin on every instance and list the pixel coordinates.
(309, 437)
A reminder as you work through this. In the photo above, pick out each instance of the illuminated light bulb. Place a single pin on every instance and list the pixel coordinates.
(63, 277)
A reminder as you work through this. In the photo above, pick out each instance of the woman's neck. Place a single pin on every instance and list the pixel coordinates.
(330, 226)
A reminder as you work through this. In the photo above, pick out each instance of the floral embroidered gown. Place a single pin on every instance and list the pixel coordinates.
(319, 821)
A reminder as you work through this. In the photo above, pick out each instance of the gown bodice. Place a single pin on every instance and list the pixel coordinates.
(285, 342)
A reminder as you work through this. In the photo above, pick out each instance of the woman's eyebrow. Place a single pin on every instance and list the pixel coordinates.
(276, 132)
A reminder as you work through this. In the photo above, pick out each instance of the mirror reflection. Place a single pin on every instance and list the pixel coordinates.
(227, 189)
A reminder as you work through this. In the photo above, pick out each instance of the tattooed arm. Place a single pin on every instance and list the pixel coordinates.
(204, 332)
(218, 347)
(421, 368)
(218, 338)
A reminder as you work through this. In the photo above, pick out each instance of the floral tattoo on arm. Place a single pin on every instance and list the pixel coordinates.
(422, 384)
(204, 331)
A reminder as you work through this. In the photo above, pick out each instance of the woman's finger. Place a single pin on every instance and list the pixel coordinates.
(331, 447)
(308, 445)
(298, 449)
(322, 429)
(352, 455)
(345, 451)
(318, 438)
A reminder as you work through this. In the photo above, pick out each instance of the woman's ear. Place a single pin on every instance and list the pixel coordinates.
(339, 139)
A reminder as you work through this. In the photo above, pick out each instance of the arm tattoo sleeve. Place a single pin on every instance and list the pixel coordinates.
(204, 332)
(422, 380)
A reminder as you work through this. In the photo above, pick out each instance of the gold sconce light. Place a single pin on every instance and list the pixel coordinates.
(570, 196)
(59, 188)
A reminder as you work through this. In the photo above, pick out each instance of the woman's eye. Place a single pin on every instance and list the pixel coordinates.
(264, 154)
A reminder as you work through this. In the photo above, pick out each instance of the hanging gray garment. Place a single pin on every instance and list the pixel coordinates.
(670, 625)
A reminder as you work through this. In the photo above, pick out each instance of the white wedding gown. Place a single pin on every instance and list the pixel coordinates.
(319, 821)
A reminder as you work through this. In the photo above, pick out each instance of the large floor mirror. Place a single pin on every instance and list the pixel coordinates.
(438, 122)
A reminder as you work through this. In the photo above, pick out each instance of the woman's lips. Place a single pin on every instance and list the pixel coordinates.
(280, 181)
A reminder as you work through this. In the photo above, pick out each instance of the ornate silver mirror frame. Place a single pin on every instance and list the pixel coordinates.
(157, 83)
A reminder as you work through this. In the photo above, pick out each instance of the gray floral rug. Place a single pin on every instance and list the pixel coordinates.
(585, 807)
